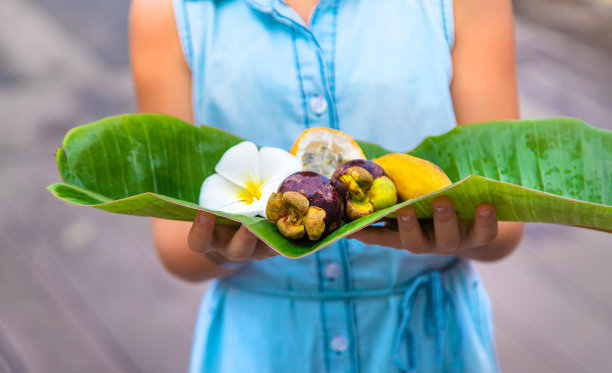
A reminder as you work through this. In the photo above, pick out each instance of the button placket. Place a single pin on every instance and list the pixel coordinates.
(313, 83)
(323, 29)
(313, 73)
(332, 270)
(339, 343)
(316, 82)
(318, 105)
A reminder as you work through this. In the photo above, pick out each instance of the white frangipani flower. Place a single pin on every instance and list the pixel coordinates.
(246, 177)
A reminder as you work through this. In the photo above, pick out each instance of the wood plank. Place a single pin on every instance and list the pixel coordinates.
(520, 330)
(554, 295)
(578, 269)
(41, 328)
(534, 312)
(82, 290)
(102, 281)
(129, 241)
(586, 22)
(550, 75)
(516, 357)
(135, 233)
(10, 359)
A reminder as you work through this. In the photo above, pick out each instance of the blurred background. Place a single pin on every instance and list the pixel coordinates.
(82, 291)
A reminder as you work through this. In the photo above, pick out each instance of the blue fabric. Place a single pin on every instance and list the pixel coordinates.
(380, 71)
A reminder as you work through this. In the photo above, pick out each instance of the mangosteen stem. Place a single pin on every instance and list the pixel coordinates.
(291, 230)
(293, 216)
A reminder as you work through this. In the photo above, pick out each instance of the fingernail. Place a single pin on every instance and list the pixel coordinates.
(485, 213)
(204, 219)
(405, 218)
(440, 209)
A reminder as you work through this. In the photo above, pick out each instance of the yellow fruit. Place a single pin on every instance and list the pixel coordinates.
(412, 176)
(324, 149)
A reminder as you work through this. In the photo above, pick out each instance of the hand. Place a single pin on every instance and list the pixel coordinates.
(222, 244)
(447, 235)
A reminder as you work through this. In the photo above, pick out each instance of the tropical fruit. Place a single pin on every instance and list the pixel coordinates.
(412, 176)
(365, 187)
(323, 150)
(306, 204)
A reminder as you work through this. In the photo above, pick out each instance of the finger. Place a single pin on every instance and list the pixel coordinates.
(410, 233)
(446, 226)
(222, 235)
(263, 251)
(241, 245)
(377, 236)
(485, 225)
(201, 233)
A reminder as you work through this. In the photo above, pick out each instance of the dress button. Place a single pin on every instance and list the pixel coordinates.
(318, 105)
(339, 343)
(331, 270)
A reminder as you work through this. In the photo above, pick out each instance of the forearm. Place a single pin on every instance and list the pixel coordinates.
(484, 87)
(509, 235)
(178, 258)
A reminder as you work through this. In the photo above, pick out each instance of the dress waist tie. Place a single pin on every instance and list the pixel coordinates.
(438, 299)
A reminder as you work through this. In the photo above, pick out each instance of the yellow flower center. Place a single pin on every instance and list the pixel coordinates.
(251, 192)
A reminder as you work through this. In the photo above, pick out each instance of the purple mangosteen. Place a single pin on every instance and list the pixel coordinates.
(306, 203)
(365, 187)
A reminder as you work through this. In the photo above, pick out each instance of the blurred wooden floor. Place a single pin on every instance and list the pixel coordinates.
(82, 290)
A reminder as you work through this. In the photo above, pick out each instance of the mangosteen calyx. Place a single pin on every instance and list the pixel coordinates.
(365, 187)
(306, 204)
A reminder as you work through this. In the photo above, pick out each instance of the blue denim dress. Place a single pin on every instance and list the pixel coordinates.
(379, 71)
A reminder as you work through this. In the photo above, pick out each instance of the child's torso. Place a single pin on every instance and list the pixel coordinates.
(378, 70)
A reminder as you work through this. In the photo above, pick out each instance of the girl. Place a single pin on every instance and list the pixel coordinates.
(401, 298)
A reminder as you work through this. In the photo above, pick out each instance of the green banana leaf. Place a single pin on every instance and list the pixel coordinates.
(553, 171)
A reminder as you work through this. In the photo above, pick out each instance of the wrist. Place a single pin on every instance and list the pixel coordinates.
(508, 238)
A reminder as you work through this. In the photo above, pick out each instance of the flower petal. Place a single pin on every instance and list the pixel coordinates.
(258, 207)
(243, 208)
(218, 192)
(277, 163)
(269, 187)
(239, 164)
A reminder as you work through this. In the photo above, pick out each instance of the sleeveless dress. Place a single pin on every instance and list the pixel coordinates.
(379, 71)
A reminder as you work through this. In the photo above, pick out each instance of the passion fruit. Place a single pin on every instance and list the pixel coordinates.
(365, 187)
(306, 204)
(324, 149)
